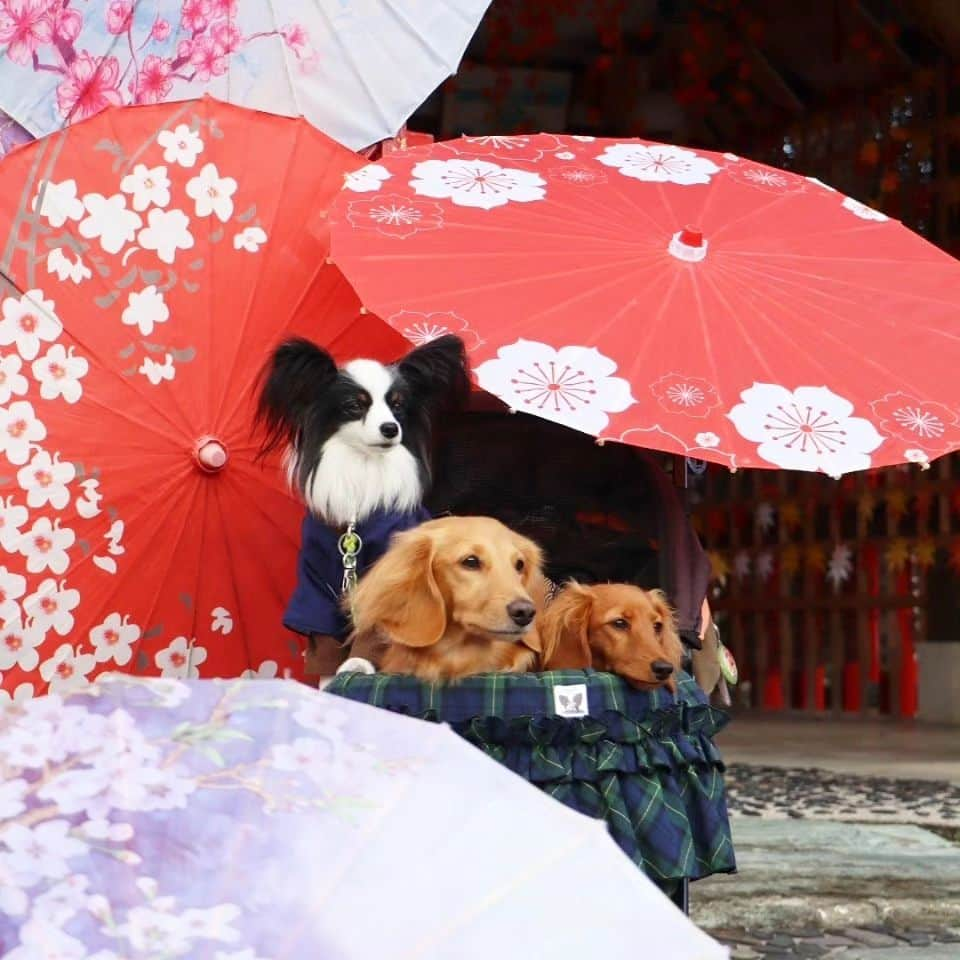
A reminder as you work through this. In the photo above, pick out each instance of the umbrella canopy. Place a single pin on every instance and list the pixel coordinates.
(687, 301)
(260, 819)
(356, 70)
(151, 257)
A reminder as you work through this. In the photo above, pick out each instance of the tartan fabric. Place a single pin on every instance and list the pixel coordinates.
(643, 761)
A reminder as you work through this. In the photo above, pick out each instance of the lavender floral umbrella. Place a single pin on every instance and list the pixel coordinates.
(356, 69)
(11, 134)
(257, 819)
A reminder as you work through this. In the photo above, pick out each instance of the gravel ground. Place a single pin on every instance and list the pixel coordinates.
(849, 944)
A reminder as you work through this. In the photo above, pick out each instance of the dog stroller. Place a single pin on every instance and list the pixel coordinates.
(645, 762)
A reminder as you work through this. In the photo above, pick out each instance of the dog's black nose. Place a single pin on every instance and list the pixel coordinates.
(521, 612)
(661, 669)
(389, 430)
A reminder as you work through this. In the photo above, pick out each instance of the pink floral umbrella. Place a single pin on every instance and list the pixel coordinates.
(356, 70)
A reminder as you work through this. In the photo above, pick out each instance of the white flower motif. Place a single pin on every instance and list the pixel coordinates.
(45, 546)
(302, 756)
(63, 901)
(221, 621)
(249, 239)
(41, 938)
(59, 373)
(149, 186)
(180, 145)
(12, 794)
(109, 220)
(12, 588)
(167, 233)
(367, 179)
(114, 638)
(12, 518)
(572, 385)
(810, 428)
(862, 210)
(12, 381)
(579, 176)
(60, 202)
(212, 194)
(157, 372)
(19, 428)
(476, 183)
(213, 923)
(66, 671)
(916, 456)
(145, 309)
(66, 268)
(88, 505)
(28, 320)
(18, 646)
(924, 423)
(659, 163)
(51, 607)
(707, 440)
(41, 852)
(266, 671)
(495, 142)
(181, 659)
(565, 155)
(21, 694)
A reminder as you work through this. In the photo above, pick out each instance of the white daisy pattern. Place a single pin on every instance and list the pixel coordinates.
(109, 221)
(167, 231)
(59, 373)
(147, 186)
(809, 428)
(476, 183)
(180, 145)
(145, 309)
(46, 479)
(212, 194)
(572, 385)
(27, 322)
(659, 163)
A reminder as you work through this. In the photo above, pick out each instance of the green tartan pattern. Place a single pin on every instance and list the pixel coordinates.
(643, 761)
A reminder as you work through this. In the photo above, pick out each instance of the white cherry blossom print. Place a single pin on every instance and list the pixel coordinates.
(367, 179)
(27, 321)
(145, 309)
(51, 607)
(810, 428)
(166, 233)
(180, 145)
(58, 202)
(19, 431)
(765, 178)
(421, 328)
(63, 901)
(395, 216)
(45, 546)
(12, 517)
(923, 423)
(12, 381)
(148, 186)
(212, 194)
(250, 239)
(12, 588)
(267, 670)
(914, 455)
(19, 644)
(66, 671)
(109, 221)
(59, 373)
(114, 639)
(862, 211)
(578, 176)
(45, 480)
(573, 385)
(659, 163)
(707, 440)
(65, 267)
(155, 372)
(221, 621)
(12, 795)
(22, 693)
(41, 852)
(181, 659)
(476, 183)
(688, 396)
(88, 503)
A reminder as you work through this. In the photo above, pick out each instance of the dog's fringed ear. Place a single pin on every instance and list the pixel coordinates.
(439, 371)
(565, 630)
(669, 637)
(538, 587)
(399, 596)
(295, 375)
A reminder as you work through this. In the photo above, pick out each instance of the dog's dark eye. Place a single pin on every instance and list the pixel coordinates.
(620, 624)
(657, 627)
(520, 565)
(395, 402)
(471, 562)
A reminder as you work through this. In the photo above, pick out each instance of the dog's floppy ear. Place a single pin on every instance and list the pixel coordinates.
(538, 588)
(399, 595)
(669, 638)
(295, 375)
(566, 629)
(439, 371)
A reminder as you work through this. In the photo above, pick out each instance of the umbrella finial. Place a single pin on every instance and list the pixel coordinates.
(688, 244)
(210, 455)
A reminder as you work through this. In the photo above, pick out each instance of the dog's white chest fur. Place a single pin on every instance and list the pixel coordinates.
(350, 483)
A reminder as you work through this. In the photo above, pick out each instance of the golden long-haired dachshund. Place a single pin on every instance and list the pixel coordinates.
(614, 627)
(451, 598)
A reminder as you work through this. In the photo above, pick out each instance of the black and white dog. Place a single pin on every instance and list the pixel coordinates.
(357, 441)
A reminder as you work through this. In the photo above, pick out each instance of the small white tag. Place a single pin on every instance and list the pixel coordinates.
(571, 700)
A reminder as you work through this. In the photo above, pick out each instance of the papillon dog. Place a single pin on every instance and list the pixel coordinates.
(357, 437)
